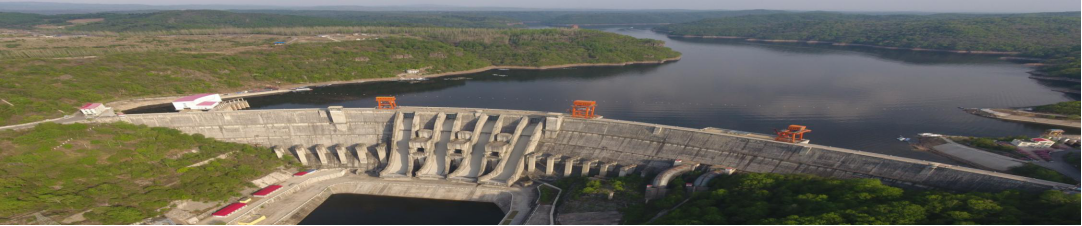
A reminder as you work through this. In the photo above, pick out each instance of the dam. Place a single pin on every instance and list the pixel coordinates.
(496, 147)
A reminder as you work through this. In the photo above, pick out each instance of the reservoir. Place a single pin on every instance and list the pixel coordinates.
(850, 97)
(354, 209)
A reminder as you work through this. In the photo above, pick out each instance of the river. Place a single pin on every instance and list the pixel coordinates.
(850, 97)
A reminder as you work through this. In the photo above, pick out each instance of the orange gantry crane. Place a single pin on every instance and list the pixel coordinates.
(386, 103)
(583, 109)
(794, 134)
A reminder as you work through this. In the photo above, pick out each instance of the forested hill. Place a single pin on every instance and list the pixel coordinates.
(42, 84)
(1034, 34)
(202, 19)
(208, 19)
(646, 17)
(405, 18)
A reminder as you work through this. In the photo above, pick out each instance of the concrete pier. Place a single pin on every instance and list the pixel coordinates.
(586, 165)
(604, 169)
(321, 152)
(301, 154)
(569, 164)
(531, 162)
(627, 170)
(550, 164)
(279, 151)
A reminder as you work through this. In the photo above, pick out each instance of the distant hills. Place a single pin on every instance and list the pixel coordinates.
(207, 19)
(1034, 34)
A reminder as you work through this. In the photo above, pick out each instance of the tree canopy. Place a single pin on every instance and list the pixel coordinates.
(755, 198)
(1063, 108)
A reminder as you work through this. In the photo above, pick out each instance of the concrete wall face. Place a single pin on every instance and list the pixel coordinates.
(306, 127)
(610, 141)
(635, 143)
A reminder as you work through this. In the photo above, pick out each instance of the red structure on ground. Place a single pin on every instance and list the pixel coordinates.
(229, 210)
(266, 191)
(794, 134)
(386, 103)
(583, 109)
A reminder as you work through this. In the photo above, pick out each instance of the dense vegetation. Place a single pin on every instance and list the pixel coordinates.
(645, 17)
(123, 173)
(1063, 108)
(801, 199)
(438, 19)
(207, 19)
(38, 88)
(1039, 172)
(1028, 33)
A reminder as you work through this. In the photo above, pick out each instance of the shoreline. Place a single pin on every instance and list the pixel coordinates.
(844, 44)
(128, 104)
(1009, 115)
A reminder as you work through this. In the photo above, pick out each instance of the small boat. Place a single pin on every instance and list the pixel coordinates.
(902, 138)
(302, 89)
(499, 75)
(503, 69)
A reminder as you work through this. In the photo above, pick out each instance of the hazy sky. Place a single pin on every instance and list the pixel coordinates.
(829, 5)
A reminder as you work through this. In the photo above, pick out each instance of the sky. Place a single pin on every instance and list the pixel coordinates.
(825, 5)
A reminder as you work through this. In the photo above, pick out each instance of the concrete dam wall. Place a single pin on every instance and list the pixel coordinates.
(498, 147)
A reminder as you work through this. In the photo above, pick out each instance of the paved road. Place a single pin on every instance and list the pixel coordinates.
(1061, 166)
(64, 120)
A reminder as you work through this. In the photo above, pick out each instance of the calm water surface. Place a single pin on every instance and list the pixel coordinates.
(850, 97)
(354, 209)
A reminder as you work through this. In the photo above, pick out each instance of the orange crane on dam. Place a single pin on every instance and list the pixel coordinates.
(793, 134)
(386, 103)
(583, 109)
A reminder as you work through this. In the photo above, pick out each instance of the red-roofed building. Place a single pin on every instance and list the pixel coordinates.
(92, 109)
(267, 191)
(204, 101)
(301, 173)
(229, 210)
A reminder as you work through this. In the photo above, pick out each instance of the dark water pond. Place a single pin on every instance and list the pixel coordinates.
(851, 97)
(354, 209)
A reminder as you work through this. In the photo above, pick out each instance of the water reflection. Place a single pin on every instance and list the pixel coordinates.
(859, 99)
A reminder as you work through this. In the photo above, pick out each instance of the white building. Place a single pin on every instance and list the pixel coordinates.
(204, 101)
(1033, 143)
(92, 109)
(413, 71)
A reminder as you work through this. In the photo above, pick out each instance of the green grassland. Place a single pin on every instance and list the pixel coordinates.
(121, 172)
(41, 87)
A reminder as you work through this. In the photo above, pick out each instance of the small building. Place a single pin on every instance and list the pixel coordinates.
(92, 109)
(1033, 143)
(412, 71)
(266, 191)
(279, 43)
(229, 210)
(1052, 133)
(204, 102)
